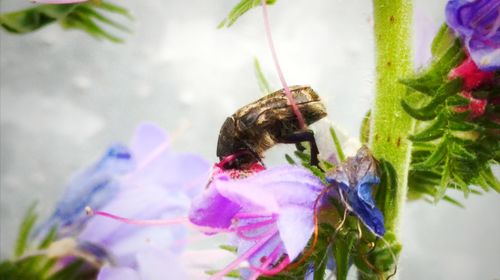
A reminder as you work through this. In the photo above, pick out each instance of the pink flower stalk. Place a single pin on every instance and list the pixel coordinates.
(477, 107)
(472, 76)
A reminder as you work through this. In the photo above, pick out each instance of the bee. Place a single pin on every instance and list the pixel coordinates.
(256, 127)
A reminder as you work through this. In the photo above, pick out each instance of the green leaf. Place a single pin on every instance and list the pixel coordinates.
(261, 79)
(342, 248)
(429, 111)
(433, 131)
(434, 159)
(443, 41)
(81, 16)
(460, 152)
(49, 238)
(453, 201)
(490, 178)
(463, 126)
(338, 146)
(112, 8)
(445, 179)
(437, 74)
(228, 248)
(231, 274)
(85, 22)
(304, 157)
(32, 19)
(289, 159)
(69, 271)
(241, 8)
(92, 13)
(25, 231)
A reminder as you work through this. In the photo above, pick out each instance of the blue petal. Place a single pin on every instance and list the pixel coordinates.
(370, 216)
(93, 187)
(476, 23)
(364, 189)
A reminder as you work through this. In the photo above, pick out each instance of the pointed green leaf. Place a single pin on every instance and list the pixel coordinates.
(115, 9)
(342, 248)
(51, 235)
(338, 146)
(463, 126)
(445, 179)
(453, 201)
(490, 178)
(228, 248)
(289, 159)
(434, 159)
(31, 19)
(443, 41)
(461, 152)
(100, 17)
(433, 131)
(25, 231)
(241, 8)
(69, 271)
(261, 79)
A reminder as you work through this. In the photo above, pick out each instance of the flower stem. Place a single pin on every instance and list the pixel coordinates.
(390, 125)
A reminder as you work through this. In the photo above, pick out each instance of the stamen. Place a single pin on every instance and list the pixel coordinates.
(268, 261)
(243, 257)
(255, 225)
(275, 270)
(255, 215)
(175, 221)
(292, 102)
(242, 235)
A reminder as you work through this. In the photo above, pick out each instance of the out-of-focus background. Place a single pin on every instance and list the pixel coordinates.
(65, 97)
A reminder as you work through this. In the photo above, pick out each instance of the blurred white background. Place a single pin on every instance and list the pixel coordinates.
(65, 97)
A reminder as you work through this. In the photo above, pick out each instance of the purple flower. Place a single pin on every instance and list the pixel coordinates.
(478, 24)
(93, 187)
(355, 178)
(153, 183)
(271, 214)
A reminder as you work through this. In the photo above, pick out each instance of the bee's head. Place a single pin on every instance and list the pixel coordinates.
(231, 149)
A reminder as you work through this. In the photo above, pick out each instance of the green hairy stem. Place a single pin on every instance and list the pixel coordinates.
(390, 126)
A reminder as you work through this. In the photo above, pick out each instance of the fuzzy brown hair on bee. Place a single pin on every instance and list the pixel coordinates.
(258, 126)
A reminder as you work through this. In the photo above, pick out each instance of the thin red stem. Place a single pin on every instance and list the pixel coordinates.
(295, 108)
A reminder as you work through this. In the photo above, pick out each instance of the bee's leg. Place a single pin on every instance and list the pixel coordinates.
(302, 136)
(300, 147)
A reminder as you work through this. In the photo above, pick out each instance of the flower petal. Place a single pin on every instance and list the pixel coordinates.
(159, 265)
(147, 138)
(123, 240)
(365, 189)
(118, 273)
(296, 225)
(478, 24)
(271, 189)
(212, 209)
(93, 187)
